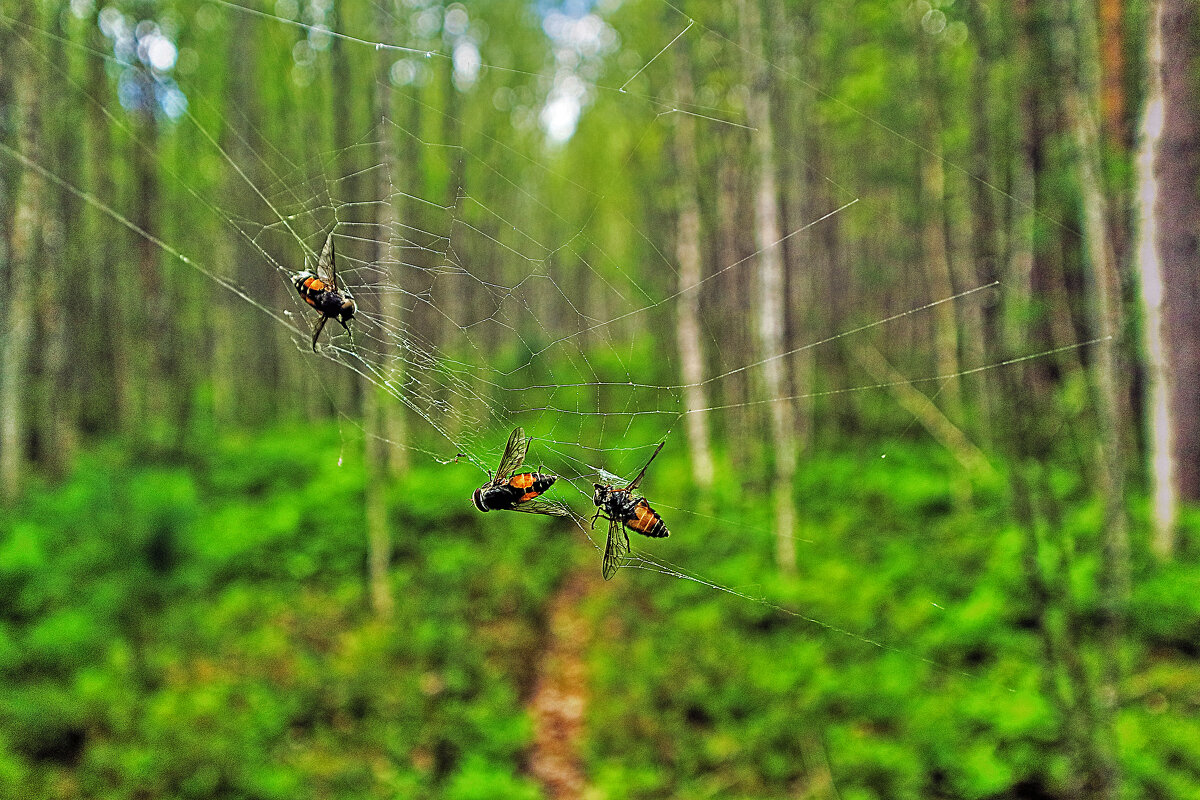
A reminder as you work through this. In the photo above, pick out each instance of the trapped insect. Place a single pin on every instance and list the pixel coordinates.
(517, 492)
(623, 509)
(322, 293)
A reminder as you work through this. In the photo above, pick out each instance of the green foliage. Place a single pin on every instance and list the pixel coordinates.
(201, 629)
(905, 665)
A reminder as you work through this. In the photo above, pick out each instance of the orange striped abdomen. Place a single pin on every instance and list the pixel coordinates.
(646, 521)
(533, 484)
(311, 289)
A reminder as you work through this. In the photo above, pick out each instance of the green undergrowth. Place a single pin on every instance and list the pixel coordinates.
(199, 626)
(202, 629)
(901, 661)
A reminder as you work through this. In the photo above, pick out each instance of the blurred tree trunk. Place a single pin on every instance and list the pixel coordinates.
(225, 329)
(734, 299)
(986, 230)
(107, 404)
(1019, 211)
(770, 282)
(1022, 403)
(1027, 414)
(150, 344)
(687, 252)
(1115, 124)
(1021, 252)
(1078, 59)
(390, 265)
(379, 540)
(379, 546)
(1172, 246)
(382, 413)
(1165, 502)
(934, 239)
(1112, 72)
(239, 366)
(801, 254)
(1049, 306)
(350, 184)
(453, 288)
(56, 289)
(25, 200)
(923, 410)
(1046, 563)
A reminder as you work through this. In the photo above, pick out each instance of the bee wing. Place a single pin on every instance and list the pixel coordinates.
(317, 328)
(514, 454)
(327, 265)
(642, 474)
(615, 550)
(553, 508)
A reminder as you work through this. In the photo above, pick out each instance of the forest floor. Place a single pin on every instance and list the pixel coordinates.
(559, 698)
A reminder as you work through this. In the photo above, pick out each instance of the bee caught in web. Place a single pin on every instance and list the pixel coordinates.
(507, 491)
(322, 293)
(624, 509)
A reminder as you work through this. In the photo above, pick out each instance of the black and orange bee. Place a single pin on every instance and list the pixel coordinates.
(322, 293)
(517, 492)
(623, 509)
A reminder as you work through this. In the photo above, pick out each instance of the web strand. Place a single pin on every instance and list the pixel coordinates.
(585, 418)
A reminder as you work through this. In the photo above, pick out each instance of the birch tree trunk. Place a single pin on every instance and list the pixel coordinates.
(770, 283)
(687, 252)
(1165, 497)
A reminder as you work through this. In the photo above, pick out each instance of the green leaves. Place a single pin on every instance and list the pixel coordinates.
(207, 634)
(203, 632)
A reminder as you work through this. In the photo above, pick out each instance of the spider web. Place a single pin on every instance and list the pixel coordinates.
(484, 304)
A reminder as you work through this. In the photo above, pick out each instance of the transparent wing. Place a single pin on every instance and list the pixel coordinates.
(615, 549)
(317, 328)
(642, 474)
(514, 455)
(326, 264)
(554, 508)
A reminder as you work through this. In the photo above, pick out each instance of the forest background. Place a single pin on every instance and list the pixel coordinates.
(909, 289)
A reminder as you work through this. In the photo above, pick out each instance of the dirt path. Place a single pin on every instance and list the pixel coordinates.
(560, 695)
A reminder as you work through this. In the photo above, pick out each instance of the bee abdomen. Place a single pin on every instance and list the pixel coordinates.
(519, 488)
(528, 485)
(646, 521)
(657, 529)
